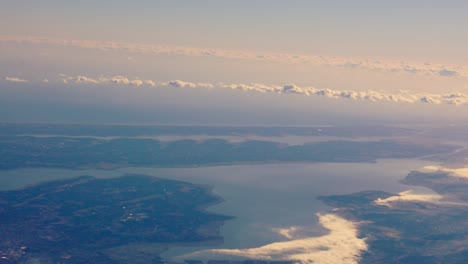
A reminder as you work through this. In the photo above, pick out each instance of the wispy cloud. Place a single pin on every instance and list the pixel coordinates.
(341, 245)
(15, 80)
(455, 98)
(366, 63)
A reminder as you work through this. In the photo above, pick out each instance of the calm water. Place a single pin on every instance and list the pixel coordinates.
(285, 139)
(262, 197)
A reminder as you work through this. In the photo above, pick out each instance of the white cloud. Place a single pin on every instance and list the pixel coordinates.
(386, 65)
(456, 98)
(459, 172)
(412, 196)
(182, 84)
(341, 245)
(288, 232)
(15, 80)
(119, 80)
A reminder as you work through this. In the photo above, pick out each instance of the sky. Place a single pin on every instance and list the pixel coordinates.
(241, 62)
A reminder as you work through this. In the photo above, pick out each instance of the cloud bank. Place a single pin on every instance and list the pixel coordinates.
(341, 245)
(455, 98)
(386, 65)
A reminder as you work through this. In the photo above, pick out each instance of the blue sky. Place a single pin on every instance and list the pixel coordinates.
(343, 59)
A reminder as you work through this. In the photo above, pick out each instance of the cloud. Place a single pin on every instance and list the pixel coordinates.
(459, 172)
(412, 196)
(288, 232)
(15, 80)
(341, 245)
(386, 65)
(182, 84)
(118, 80)
(456, 98)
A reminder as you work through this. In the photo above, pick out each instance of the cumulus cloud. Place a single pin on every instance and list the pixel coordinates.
(182, 84)
(341, 245)
(456, 98)
(119, 80)
(15, 80)
(387, 65)
(412, 196)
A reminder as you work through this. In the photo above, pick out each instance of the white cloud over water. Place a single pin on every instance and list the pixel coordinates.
(288, 232)
(341, 245)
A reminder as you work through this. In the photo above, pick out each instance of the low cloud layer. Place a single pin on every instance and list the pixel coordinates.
(386, 65)
(341, 245)
(412, 196)
(15, 80)
(459, 172)
(288, 232)
(456, 98)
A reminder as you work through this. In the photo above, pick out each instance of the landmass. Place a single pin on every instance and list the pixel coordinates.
(89, 220)
(81, 146)
(85, 153)
(14, 129)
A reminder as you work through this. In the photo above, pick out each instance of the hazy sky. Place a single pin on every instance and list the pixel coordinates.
(234, 62)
